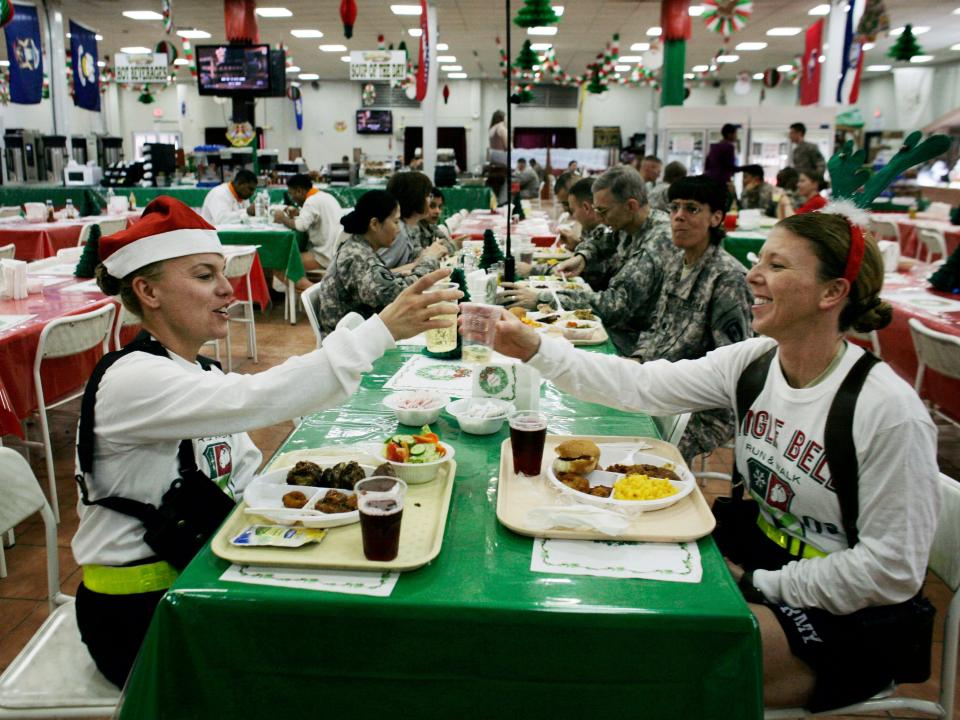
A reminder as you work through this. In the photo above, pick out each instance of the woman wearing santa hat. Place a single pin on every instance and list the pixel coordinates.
(152, 404)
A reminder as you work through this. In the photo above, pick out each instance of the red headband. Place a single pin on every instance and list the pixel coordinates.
(855, 256)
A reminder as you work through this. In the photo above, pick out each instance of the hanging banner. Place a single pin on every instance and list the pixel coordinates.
(86, 74)
(810, 70)
(24, 53)
(848, 89)
(240, 20)
(913, 91)
(378, 65)
(423, 69)
(147, 68)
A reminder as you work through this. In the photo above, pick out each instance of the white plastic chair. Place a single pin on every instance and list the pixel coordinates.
(54, 675)
(945, 564)
(938, 351)
(671, 427)
(885, 230)
(63, 337)
(872, 337)
(125, 319)
(310, 298)
(9, 211)
(932, 239)
(109, 227)
(85, 234)
(8, 251)
(239, 265)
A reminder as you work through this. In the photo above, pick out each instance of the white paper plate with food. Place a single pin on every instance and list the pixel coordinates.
(611, 478)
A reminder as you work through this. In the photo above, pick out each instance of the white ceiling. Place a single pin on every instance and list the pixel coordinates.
(471, 27)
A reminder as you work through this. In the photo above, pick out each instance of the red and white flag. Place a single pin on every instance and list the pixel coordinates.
(810, 67)
(423, 68)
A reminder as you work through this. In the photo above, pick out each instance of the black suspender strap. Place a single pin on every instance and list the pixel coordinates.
(839, 446)
(749, 385)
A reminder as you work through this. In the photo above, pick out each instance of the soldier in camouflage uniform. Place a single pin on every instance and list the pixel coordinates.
(807, 157)
(412, 191)
(757, 193)
(357, 279)
(704, 302)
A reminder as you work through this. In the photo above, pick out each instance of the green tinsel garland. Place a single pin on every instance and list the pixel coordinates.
(90, 257)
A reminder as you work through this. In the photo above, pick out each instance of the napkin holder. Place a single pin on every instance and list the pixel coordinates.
(891, 255)
(13, 279)
(69, 255)
(35, 211)
(749, 219)
(482, 287)
(118, 204)
(512, 382)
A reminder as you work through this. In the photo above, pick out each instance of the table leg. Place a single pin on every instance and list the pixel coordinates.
(292, 302)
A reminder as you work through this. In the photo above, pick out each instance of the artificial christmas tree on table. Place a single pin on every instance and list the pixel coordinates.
(947, 278)
(492, 253)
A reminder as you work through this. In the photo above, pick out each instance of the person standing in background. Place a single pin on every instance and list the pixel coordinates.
(650, 169)
(497, 172)
(721, 161)
(807, 157)
(528, 180)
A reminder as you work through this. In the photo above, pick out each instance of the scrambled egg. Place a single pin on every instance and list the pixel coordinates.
(641, 487)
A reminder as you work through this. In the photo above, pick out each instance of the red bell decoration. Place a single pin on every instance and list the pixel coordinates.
(348, 15)
(446, 93)
(240, 18)
(675, 19)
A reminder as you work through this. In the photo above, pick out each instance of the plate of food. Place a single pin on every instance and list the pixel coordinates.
(552, 253)
(416, 458)
(634, 481)
(576, 281)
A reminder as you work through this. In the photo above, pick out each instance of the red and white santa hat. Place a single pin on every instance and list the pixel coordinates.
(167, 229)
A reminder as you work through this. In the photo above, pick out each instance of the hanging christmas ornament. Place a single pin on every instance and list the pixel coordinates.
(536, 13)
(726, 16)
(240, 21)
(527, 58)
(742, 86)
(446, 93)
(145, 97)
(167, 49)
(906, 46)
(369, 95)
(873, 21)
(6, 13)
(410, 91)
(522, 94)
(240, 134)
(653, 58)
(381, 43)
(504, 60)
(771, 77)
(166, 7)
(596, 84)
(348, 15)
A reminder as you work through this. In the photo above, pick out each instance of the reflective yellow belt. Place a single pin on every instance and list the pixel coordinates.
(129, 580)
(794, 546)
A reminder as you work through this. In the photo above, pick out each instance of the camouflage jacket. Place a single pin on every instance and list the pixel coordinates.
(405, 248)
(607, 250)
(427, 233)
(808, 159)
(694, 315)
(358, 281)
(658, 196)
(626, 306)
(759, 197)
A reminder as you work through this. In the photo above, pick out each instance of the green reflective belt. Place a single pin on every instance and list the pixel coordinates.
(129, 580)
(794, 546)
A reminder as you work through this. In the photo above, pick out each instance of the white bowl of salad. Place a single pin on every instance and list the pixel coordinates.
(416, 407)
(480, 416)
(417, 458)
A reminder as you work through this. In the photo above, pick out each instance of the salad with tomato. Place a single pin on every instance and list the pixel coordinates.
(422, 448)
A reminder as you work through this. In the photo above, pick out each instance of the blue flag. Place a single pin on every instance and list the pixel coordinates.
(86, 74)
(25, 56)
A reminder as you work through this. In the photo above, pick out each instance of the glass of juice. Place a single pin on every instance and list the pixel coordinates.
(528, 431)
(443, 339)
(380, 502)
(478, 327)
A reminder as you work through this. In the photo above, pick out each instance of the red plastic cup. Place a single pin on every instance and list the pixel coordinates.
(730, 222)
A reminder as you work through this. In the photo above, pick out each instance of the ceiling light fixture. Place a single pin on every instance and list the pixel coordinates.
(542, 30)
(405, 9)
(308, 76)
(540, 46)
(98, 37)
(750, 46)
(446, 58)
(921, 58)
(274, 12)
(558, 10)
(4, 63)
(699, 68)
(451, 68)
(333, 48)
(415, 32)
(184, 61)
(136, 50)
(688, 76)
(695, 10)
(727, 58)
(142, 15)
(955, 47)
(783, 31)
(193, 34)
(640, 47)
(654, 31)
(784, 68)
(442, 46)
(758, 76)
(622, 68)
(291, 69)
(458, 76)
(868, 46)
(878, 68)
(344, 58)
(101, 64)
(630, 58)
(306, 33)
(819, 10)
(69, 36)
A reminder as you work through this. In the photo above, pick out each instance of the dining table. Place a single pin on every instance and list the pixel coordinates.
(87, 199)
(907, 227)
(473, 633)
(535, 226)
(38, 240)
(455, 199)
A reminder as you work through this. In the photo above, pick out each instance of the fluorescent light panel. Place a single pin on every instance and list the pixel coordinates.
(955, 47)
(344, 58)
(699, 68)
(458, 76)
(758, 76)
(542, 30)
(727, 58)
(695, 10)
(136, 50)
(101, 64)
(785, 68)
(4, 63)
(622, 68)
(878, 68)
(538, 46)
(142, 15)
(293, 69)
(193, 34)
(457, 68)
(444, 46)
(819, 10)
(415, 32)
(306, 33)
(630, 58)
(918, 30)
(446, 58)
(333, 48)
(921, 58)
(558, 10)
(274, 12)
(405, 9)
(308, 76)
(654, 31)
(640, 47)
(783, 31)
(750, 46)
(184, 61)
(98, 37)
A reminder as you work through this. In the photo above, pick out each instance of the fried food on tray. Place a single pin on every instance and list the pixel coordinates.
(335, 501)
(653, 471)
(601, 491)
(295, 500)
(574, 481)
(583, 314)
(305, 473)
(385, 469)
(518, 311)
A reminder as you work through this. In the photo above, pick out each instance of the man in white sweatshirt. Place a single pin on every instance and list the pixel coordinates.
(317, 214)
(229, 202)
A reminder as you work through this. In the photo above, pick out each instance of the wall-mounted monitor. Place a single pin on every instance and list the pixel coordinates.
(374, 122)
(233, 69)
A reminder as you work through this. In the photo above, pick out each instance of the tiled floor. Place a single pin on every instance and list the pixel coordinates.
(22, 594)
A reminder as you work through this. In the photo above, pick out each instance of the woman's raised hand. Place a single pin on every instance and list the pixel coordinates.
(411, 312)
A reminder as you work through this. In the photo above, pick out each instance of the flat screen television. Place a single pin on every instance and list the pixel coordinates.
(374, 122)
(233, 69)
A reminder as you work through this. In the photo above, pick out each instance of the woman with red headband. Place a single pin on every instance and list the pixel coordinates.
(830, 588)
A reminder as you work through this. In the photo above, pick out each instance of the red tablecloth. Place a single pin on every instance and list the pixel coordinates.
(36, 241)
(536, 226)
(908, 231)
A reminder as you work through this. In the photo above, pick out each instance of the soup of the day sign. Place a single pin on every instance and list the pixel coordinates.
(378, 65)
(147, 68)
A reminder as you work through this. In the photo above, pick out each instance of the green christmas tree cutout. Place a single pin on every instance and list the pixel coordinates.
(90, 257)
(596, 84)
(906, 46)
(527, 58)
(536, 13)
(492, 253)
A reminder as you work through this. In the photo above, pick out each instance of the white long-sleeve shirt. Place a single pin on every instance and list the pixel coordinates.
(147, 404)
(320, 219)
(222, 207)
(780, 450)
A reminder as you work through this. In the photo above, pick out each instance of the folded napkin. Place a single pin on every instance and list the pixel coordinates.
(549, 517)
(13, 284)
(891, 255)
(510, 381)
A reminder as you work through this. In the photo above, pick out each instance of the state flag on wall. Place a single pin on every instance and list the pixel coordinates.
(24, 52)
(86, 74)
(810, 68)
(848, 89)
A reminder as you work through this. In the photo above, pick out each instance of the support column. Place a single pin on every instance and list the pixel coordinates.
(429, 105)
(56, 63)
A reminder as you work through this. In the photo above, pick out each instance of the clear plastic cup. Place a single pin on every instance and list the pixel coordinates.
(380, 502)
(443, 339)
(478, 328)
(528, 433)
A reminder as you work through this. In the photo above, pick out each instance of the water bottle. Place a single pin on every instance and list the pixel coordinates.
(69, 210)
(49, 210)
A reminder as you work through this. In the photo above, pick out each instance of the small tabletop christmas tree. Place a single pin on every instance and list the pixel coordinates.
(947, 278)
(906, 46)
(491, 251)
(536, 13)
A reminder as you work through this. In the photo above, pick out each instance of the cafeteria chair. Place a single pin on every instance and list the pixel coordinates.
(872, 338)
(239, 265)
(310, 298)
(8, 251)
(671, 427)
(941, 353)
(85, 234)
(109, 227)
(932, 239)
(53, 676)
(65, 337)
(885, 230)
(9, 211)
(125, 319)
(944, 563)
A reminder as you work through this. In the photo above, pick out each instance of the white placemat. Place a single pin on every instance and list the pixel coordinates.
(451, 377)
(674, 562)
(415, 341)
(922, 300)
(11, 321)
(338, 581)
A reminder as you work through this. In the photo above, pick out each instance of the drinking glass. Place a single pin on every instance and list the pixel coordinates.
(528, 431)
(380, 502)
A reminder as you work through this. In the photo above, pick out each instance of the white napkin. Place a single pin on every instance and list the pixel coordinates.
(749, 219)
(14, 273)
(548, 517)
(35, 210)
(350, 582)
(69, 255)
(510, 381)
(891, 255)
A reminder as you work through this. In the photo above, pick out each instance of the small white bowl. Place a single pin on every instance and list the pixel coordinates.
(419, 473)
(584, 330)
(475, 425)
(416, 417)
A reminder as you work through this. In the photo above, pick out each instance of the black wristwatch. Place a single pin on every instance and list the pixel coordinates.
(751, 593)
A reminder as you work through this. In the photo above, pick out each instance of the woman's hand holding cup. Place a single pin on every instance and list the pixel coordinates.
(411, 312)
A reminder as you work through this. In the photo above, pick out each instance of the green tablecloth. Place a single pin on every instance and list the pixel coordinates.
(279, 247)
(87, 199)
(455, 198)
(739, 243)
(885, 205)
(474, 634)
(193, 196)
